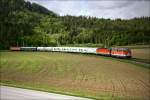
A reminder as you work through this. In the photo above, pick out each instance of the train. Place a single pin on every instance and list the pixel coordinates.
(112, 52)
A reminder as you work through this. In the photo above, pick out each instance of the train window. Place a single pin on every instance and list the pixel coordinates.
(80, 49)
(109, 48)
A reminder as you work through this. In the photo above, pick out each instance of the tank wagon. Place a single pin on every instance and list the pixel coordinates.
(112, 52)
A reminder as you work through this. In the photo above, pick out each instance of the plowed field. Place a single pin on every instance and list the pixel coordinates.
(75, 74)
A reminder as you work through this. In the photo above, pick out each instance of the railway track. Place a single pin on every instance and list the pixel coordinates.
(142, 62)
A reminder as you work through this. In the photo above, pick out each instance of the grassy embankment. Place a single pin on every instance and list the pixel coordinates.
(74, 74)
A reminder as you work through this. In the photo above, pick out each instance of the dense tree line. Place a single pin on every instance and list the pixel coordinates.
(29, 24)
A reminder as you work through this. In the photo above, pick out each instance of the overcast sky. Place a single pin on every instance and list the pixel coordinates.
(124, 9)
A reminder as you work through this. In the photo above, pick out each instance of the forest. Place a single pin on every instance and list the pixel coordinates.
(29, 24)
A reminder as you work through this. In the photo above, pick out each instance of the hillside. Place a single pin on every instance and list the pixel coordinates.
(29, 24)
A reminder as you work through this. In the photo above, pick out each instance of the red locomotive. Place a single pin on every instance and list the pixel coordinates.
(103, 51)
(121, 52)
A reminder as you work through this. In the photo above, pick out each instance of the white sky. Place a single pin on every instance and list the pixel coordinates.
(124, 9)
